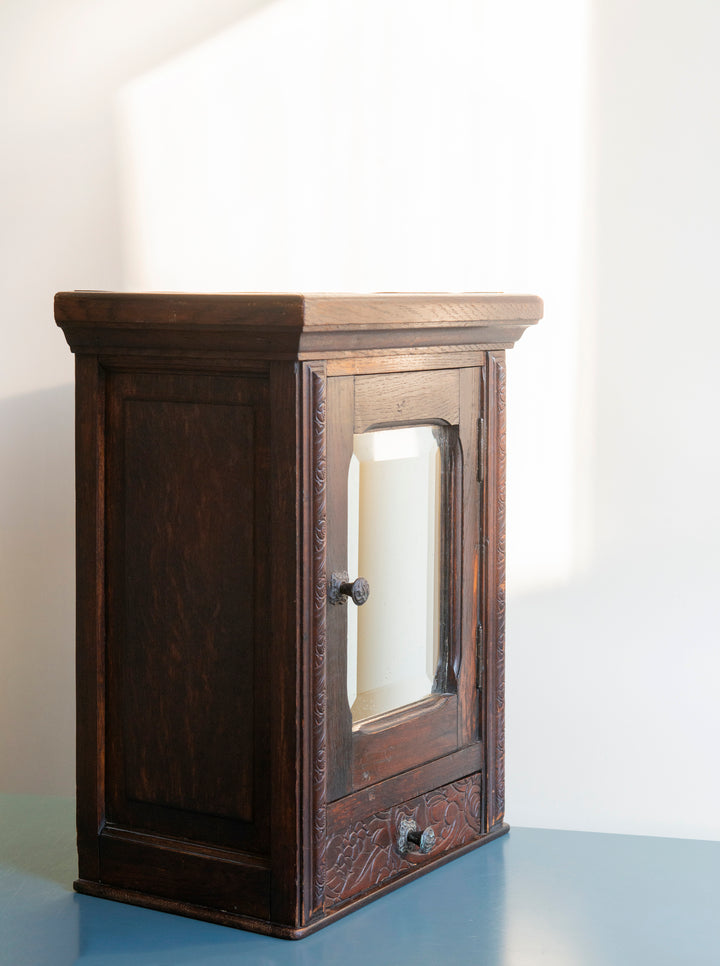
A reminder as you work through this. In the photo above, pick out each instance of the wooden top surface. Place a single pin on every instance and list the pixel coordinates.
(311, 309)
(313, 322)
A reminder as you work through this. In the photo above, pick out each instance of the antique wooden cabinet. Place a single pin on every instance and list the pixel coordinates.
(290, 595)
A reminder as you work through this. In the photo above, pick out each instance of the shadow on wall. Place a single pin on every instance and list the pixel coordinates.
(64, 61)
(37, 593)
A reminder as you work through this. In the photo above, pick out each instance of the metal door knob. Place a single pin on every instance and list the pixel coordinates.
(340, 587)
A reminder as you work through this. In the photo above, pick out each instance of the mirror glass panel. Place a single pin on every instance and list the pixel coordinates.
(394, 520)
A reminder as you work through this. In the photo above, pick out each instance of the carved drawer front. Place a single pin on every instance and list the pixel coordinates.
(388, 844)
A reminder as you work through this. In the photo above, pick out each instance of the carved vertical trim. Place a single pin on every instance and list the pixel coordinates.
(494, 602)
(499, 791)
(318, 627)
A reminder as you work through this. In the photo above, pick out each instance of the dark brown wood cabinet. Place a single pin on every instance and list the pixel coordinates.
(254, 748)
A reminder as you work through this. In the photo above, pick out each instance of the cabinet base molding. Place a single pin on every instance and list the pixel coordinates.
(100, 890)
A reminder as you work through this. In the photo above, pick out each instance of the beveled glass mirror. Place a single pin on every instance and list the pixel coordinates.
(395, 518)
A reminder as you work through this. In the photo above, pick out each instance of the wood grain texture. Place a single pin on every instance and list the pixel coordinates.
(405, 360)
(399, 745)
(364, 854)
(424, 308)
(171, 870)
(340, 403)
(413, 396)
(287, 326)
(281, 753)
(406, 785)
(315, 310)
(191, 910)
(187, 465)
(329, 342)
(194, 594)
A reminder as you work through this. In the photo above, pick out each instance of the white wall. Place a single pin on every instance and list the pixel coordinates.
(564, 148)
(614, 720)
(62, 63)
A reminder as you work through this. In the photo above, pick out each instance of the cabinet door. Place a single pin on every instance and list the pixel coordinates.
(403, 514)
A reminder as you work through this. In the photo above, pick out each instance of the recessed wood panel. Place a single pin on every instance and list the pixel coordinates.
(187, 602)
(188, 605)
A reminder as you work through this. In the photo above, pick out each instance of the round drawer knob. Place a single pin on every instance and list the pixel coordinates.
(410, 835)
(424, 840)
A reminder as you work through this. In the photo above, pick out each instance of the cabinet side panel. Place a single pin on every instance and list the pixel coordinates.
(187, 673)
(90, 608)
(187, 606)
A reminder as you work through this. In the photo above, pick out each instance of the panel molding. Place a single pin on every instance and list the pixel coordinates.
(176, 441)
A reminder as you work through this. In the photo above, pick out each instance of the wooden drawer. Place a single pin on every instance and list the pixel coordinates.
(364, 855)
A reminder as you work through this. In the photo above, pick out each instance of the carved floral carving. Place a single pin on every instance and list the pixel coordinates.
(498, 809)
(319, 629)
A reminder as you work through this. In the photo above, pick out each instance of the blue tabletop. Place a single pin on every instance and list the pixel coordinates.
(535, 896)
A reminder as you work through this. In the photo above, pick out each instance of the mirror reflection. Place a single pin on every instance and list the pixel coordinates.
(394, 513)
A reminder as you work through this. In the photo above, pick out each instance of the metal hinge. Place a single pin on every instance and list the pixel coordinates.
(479, 655)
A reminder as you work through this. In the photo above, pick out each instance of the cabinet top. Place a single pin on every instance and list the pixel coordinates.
(287, 325)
